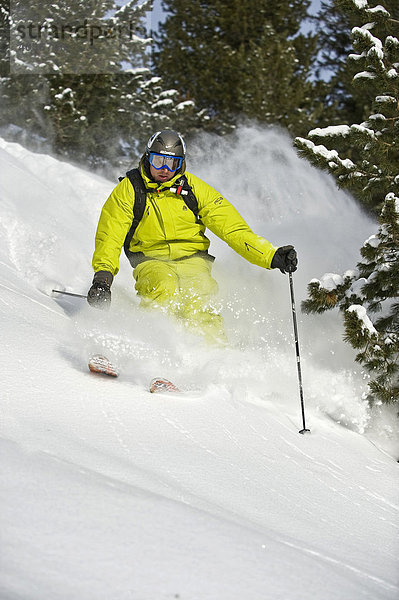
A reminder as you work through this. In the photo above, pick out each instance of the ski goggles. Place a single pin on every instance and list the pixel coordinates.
(160, 161)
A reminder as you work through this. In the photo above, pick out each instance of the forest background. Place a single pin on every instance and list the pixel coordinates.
(94, 82)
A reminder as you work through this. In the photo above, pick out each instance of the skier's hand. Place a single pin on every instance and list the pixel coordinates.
(99, 295)
(285, 259)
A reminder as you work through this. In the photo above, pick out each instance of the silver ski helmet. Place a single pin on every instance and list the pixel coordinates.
(167, 143)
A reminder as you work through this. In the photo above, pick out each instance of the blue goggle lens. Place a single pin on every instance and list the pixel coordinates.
(160, 161)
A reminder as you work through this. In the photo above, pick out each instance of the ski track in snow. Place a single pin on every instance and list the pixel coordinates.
(19, 293)
(109, 491)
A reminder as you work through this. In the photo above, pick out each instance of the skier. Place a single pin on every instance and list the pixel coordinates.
(168, 248)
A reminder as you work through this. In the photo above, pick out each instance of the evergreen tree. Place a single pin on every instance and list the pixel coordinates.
(65, 59)
(343, 102)
(368, 296)
(372, 175)
(368, 299)
(146, 106)
(242, 58)
(4, 38)
(80, 81)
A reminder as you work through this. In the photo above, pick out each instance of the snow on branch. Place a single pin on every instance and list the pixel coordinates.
(378, 10)
(330, 157)
(361, 314)
(329, 281)
(362, 34)
(332, 130)
(185, 104)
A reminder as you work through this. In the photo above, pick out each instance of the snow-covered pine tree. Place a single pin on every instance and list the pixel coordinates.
(65, 59)
(368, 296)
(91, 96)
(244, 58)
(146, 106)
(372, 176)
(4, 38)
(343, 102)
(77, 36)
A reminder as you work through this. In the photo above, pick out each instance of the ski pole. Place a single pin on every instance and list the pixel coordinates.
(298, 358)
(69, 294)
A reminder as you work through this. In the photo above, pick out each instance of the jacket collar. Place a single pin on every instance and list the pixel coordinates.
(155, 185)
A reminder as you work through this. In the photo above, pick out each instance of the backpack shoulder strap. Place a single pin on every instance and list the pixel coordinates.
(140, 195)
(184, 189)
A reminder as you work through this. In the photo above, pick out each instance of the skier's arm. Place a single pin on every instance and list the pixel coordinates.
(224, 220)
(114, 223)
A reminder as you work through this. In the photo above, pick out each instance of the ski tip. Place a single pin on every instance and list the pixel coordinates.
(101, 365)
(159, 384)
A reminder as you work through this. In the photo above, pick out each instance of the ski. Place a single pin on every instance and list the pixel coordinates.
(101, 364)
(159, 385)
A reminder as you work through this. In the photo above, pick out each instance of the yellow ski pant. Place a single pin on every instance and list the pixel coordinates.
(186, 290)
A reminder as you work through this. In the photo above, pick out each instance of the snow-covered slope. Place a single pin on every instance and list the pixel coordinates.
(110, 492)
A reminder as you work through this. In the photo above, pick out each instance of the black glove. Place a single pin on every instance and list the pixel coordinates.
(285, 259)
(99, 295)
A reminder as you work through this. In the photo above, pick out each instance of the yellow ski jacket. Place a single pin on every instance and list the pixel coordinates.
(169, 230)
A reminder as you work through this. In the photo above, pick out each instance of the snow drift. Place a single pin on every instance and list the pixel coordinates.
(110, 492)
